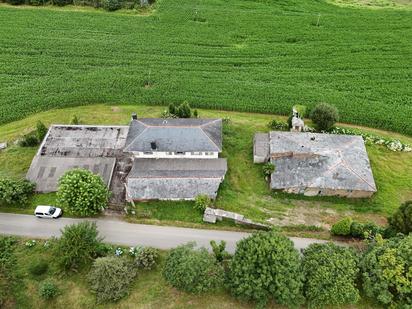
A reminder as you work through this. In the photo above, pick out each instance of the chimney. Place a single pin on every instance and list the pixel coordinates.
(134, 116)
(153, 145)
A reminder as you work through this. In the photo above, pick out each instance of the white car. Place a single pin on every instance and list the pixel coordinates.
(47, 212)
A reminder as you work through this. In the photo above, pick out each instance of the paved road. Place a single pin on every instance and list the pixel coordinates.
(128, 234)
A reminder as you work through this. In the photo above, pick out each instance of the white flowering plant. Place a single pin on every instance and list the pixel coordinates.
(118, 251)
(30, 243)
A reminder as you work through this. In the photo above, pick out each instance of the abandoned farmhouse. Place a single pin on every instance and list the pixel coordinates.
(163, 159)
(316, 164)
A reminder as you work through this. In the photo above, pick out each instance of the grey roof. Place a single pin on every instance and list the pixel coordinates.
(313, 160)
(178, 168)
(46, 171)
(83, 141)
(186, 135)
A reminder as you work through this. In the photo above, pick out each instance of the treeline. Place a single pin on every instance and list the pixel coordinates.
(108, 5)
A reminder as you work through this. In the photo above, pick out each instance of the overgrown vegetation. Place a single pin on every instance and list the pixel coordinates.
(193, 270)
(8, 265)
(217, 63)
(15, 192)
(324, 116)
(82, 192)
(401, 220)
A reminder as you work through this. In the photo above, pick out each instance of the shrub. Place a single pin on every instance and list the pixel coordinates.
(110, 278)
(324, 116)
(48, 290)
(172, 109)
(77, 246)
(278, 125)
(184, 111)
(28, 140)
(357, 230)
(202, 201)
(192, 270)
(195, 114)
(301, 109)
(38, 267)
(8, 264)
(75, 120)
(15, 2)
(146, 257)
(62, 2)
(15, 192)
(330, 273)
(82, 192)
(219, 250)
(41, 131)
(266, 266)
(342, 227)
(268, 169)
(386, 271)
(111, 5)
(401, 220)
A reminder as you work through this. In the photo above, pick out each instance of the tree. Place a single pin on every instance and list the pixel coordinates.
(401, 220)
(191, 270)
(324, 116)
(386, 271)
(266, 266)
(77, 246)
(330, 273)
(82, 192)
(41, 131)
(110, 278)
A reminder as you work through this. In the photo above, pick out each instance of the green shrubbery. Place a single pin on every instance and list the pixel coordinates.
(324, 116)
(348, 227)
(342, 227)
(386, 272)
(48, 290)
(192, 270)
(278, 125)
(268, 169)
(181, 111)
(401, 220)
(202, 201)
(330, 273)
(265, 267)
(110, 278)
(8, 265)
(15, 192)
(146, 258)
(35, 137)
(109, 5)
(77, 246)
(82, 192)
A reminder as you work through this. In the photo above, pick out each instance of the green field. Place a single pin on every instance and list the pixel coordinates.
(246, 55)
(244, 189)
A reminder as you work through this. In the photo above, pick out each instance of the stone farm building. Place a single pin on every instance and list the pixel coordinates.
(316, 164)
(163, 159)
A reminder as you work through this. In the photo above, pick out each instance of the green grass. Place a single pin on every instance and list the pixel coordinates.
(148, 291)
(256, 55)
(244, 189)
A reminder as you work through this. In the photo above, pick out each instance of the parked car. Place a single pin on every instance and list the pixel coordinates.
(42, 211)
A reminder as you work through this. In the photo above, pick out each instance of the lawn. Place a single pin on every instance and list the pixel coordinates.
(256, 55)
(148, 291)
(244, 189)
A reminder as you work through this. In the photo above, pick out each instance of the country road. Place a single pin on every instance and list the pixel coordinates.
(129, 234)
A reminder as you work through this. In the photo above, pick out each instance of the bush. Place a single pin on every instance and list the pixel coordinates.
(324, 116)
(278, 125)
(146, 258)
(202, 201)
(111, 5)
(191, 270)
(38, 267)
(301, 109)
(386, 272)
(82, 192)
(110, 278)
(219, 250)
(266, 266)
(48, 290)
(330, 273)
(15, 192)
(15, 2)
(8, 265)
(62, 2)
(401, 220)
(41, 131)
(28, 140)
(74, 120)
(184, 110)
(342, 227)
(357, 230)
(77, 246)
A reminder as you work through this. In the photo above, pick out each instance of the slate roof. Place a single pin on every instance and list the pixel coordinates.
(313, 160)
(175, 135)
(178, 168)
